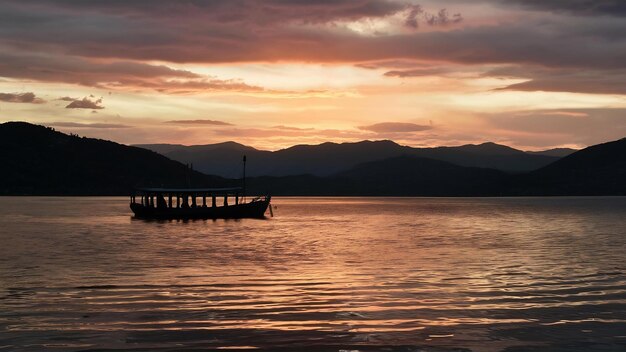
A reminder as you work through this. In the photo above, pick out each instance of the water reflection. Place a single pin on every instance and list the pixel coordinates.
(348, 273)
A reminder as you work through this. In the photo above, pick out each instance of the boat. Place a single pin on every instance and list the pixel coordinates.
(191, 203)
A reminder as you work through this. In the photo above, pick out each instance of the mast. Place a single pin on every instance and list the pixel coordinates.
(244, 178)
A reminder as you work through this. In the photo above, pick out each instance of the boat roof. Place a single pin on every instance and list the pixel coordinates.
(189, 190)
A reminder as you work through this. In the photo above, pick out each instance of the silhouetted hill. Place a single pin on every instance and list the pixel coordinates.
(40, 160)
(596, 170)
(412, 176)
(557, 152)
(329, 158)
(160, 148)
(399, 176)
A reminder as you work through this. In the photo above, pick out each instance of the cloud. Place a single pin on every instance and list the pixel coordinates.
(199, 122)
(67, 99)
(577, 7)
(399, 64)
(415, 14)
(418, 72)
(395, 127)
(29, 97)
(87, 125)
(112, 75)
(86, 103)
(69, 69)
(265, 12)
(607, 84)
(193, 85)
(291, 128)
(563, 80)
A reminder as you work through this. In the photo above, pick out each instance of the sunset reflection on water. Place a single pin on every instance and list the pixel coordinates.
(483, 274)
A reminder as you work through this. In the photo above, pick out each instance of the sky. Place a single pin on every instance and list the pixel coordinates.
(532, 74)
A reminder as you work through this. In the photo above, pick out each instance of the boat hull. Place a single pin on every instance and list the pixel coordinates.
(253, 209)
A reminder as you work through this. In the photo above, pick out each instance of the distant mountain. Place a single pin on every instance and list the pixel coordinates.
(487, 148)
(557, 152)
(487, 155)
(223, 159)
(169, 148)
(596, 170)
(398, 176)
(326, 159)
(39, 160)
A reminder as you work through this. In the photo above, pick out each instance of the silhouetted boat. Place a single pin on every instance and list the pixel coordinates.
(183, 203)
(191, 203)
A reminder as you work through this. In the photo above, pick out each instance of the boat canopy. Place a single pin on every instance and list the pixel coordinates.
(190, 191)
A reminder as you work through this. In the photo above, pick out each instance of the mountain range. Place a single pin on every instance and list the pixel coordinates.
(596, 170)
(38, 160)
(327, 159)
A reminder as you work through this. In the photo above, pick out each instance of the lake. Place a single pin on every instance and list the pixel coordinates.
(324, 274)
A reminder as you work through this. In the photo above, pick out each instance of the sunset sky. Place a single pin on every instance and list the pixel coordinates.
(533, 74)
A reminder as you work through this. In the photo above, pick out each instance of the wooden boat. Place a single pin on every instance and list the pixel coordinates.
(158, 203)
(172, 203)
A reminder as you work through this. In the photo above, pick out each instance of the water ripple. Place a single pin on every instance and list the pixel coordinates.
(324, 275)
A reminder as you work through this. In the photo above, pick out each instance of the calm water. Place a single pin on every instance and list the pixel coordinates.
(325, 274)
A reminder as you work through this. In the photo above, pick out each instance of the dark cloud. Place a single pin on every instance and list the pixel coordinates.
(267, 12)
(563, 80)
(575, 83)
(411, 19)
(418, 72)
(112, 75)
(576, 7)
(87, 125)
(395, 127)
(28, 97)
(442, 18)
(416, 15)
(86, 103)
(392, 64)
(58, 68)
(199, 122)
(191, 86)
